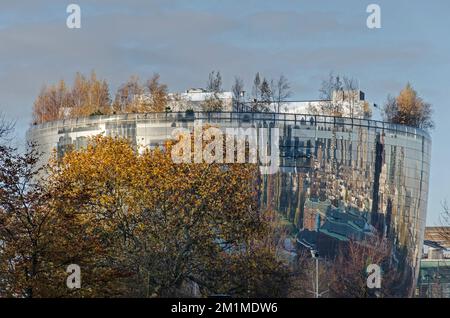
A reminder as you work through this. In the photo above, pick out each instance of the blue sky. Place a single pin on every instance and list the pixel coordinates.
(185, 40)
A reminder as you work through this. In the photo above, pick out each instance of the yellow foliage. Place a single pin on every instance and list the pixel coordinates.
(157, 225)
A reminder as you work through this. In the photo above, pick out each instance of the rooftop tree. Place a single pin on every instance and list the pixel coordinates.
(87, 96)
(408, 108)
(339, 96)
(237, 90)
(281, 91)
(214, 87)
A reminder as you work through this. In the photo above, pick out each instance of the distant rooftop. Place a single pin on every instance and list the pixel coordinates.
(435, 234)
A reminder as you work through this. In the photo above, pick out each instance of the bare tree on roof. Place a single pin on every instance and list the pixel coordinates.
(281, 91)
(237, 89)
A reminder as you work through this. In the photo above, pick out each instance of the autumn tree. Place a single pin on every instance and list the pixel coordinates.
(408, 108)
(157, 228)
(127, 96)
(259, 267)
(178, 102)
(93, 191)
(28, 227)
(41, 234)
(158, 99)
(134, 97)
(52, 103)
(87, 96)
(205, 214)
(90, 96)
(366, 110)
(213, 102)
(35, 235)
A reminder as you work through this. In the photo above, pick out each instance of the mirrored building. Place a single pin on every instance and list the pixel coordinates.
(340, 179)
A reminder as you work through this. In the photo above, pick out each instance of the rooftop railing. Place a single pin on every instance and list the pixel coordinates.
(246, 117)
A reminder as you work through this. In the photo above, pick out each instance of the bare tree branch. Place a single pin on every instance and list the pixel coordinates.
(6, 127)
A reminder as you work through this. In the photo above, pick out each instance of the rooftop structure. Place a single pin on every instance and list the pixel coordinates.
(434, 276)
(351, 103)
(436, 234)
(194, 99)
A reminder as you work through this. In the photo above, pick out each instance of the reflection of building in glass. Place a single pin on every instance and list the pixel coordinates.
(439, 235)
(434, 278)
(193, 98)
(322, 216)
(351, 102)
(314, 214)
(340, 178)
(434, 275)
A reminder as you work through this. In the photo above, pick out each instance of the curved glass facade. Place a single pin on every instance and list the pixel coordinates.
(340, 178)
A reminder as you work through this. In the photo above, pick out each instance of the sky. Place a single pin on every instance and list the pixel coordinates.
(184, 40)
